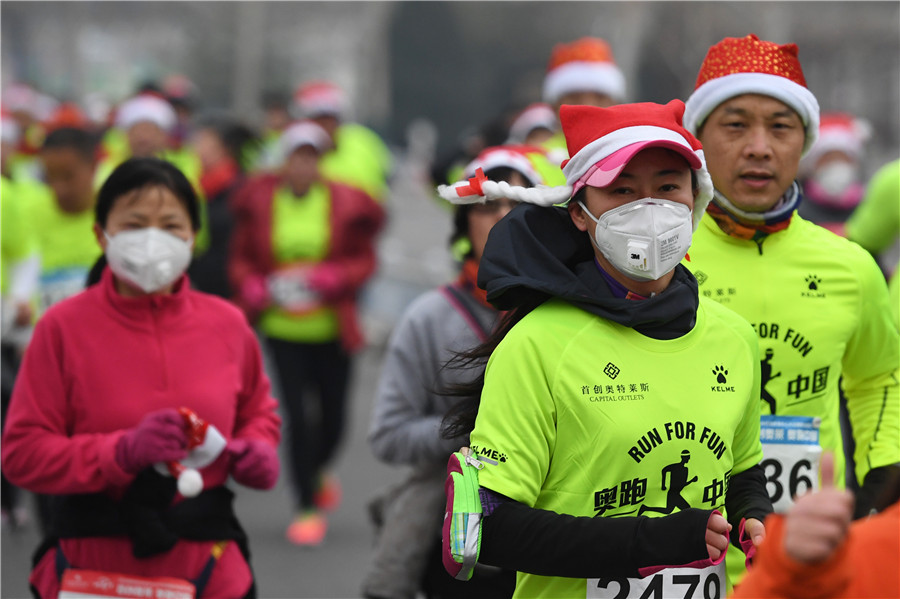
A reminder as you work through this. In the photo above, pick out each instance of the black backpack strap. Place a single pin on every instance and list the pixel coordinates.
(201, 581)
(62, 562)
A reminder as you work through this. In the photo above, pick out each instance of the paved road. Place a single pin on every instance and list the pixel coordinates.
(413, 258)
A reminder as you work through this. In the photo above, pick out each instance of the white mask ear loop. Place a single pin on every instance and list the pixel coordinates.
(588, 212)
(596, 220)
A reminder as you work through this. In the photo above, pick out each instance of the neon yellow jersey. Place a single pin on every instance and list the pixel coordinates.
(556, 148)
(894, 291)
(301, 233)
(16, 234)
(360, 159)
(115, 145)
(875, 224)
(267, 155)
(584, 416)
(820, 308)
(67, 246)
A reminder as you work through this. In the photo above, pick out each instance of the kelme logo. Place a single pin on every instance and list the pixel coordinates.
(491, 456)
(721, 375)
(813, 286)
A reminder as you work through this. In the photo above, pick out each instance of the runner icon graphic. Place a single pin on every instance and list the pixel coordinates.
(677, 474)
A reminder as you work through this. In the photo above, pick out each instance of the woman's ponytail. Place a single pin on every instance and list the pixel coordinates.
(96, 271)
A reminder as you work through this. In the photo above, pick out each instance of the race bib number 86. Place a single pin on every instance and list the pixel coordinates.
(791, 453)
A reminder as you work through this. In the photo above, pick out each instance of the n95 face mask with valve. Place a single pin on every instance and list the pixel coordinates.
(644, 239)
(149, 258)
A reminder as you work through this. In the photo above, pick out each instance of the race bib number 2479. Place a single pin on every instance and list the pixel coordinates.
(671, 583)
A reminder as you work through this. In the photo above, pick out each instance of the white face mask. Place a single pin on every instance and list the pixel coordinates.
(644, 239)
(149, 258)
(835, 177)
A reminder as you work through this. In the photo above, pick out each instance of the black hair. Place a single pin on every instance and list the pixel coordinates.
(460, 418)
(149, 86)
(136, 174)
(239, 140)
(461, 215)
(81, 140)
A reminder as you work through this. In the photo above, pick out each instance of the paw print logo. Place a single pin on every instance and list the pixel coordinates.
(720, 373)
(813, 282)
(502, 457)
(611, 370)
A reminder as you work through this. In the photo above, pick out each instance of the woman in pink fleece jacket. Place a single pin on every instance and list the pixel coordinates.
(95, 404)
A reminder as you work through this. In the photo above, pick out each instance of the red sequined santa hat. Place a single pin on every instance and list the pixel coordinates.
(748, 65)
(319, 98)
(584, 65)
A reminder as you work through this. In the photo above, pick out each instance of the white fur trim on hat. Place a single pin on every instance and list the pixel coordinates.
(302, 134)
(600, 77)
(533, 117)
(614, 141)
(9, 130)
(146, 108)
(705, 191)
(711, 94)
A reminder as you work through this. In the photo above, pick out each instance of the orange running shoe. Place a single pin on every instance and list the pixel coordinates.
(308, 529)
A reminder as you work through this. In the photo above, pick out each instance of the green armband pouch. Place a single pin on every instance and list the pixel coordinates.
(461, 533)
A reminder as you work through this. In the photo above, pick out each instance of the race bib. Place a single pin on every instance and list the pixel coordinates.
(791, 453)
(289, 289)
(60, 284)
(80, 584)
(686, 583)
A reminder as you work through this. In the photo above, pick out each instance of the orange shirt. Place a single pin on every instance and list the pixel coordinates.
(866, 564)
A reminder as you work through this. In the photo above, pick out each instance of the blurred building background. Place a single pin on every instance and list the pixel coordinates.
(455, 64)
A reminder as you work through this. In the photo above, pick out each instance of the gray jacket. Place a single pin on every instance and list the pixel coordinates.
(406, 418)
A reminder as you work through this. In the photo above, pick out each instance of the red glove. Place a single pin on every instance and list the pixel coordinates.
(254, 292)
(159, 437)
(254, 463)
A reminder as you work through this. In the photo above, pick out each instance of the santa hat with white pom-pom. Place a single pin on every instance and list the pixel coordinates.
(205, 444)
(601, 142)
